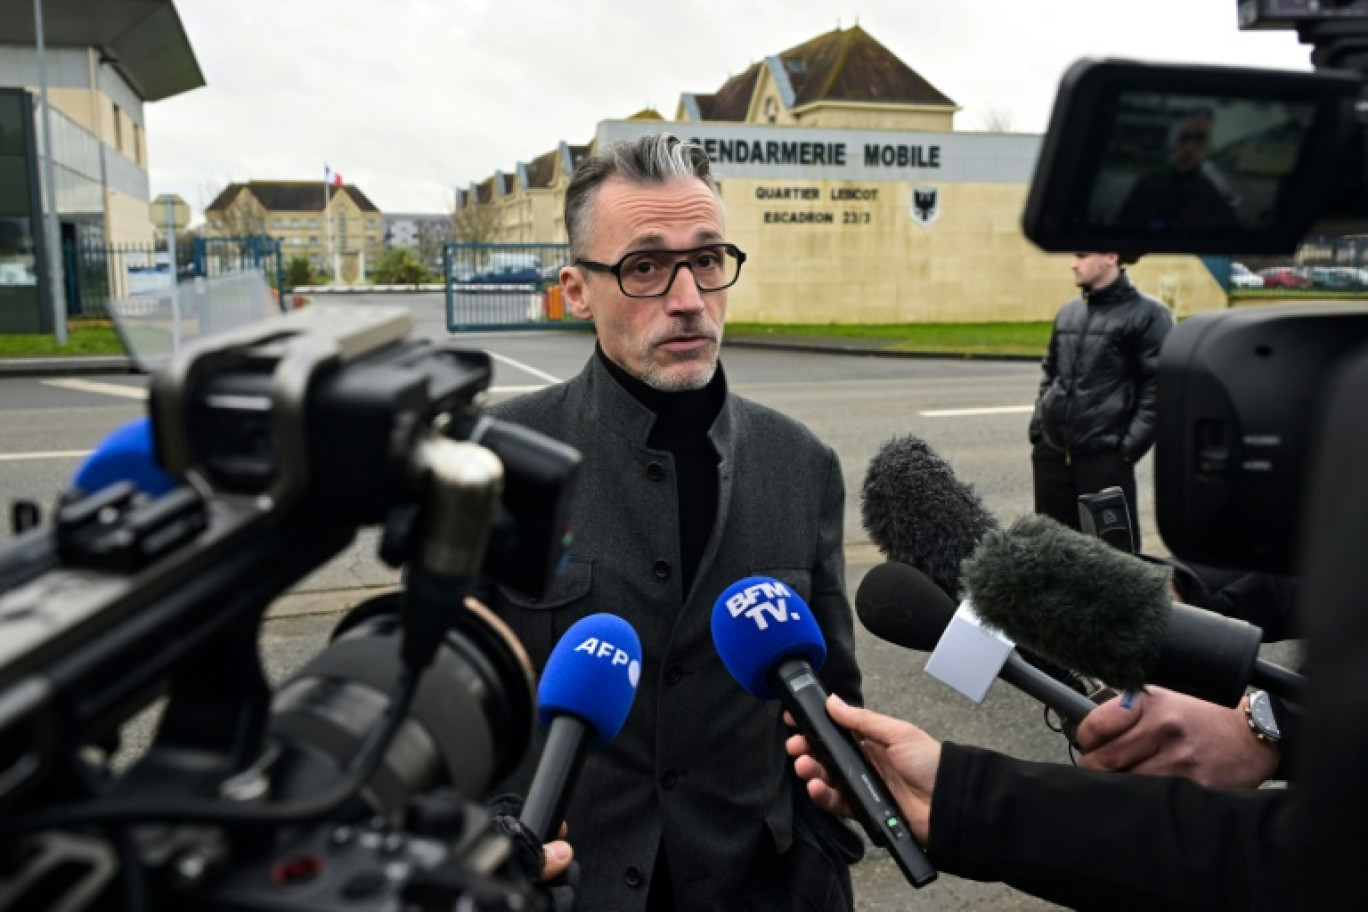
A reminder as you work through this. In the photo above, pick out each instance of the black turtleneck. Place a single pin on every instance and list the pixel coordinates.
(681, 429)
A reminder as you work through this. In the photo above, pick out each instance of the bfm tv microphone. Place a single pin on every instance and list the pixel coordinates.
(901, 605)
(769, 641)
(127, 454)
(585, 693)
(918, 513)
(1080, 602)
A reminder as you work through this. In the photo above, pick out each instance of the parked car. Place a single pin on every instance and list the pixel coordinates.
(1241, 277)
(510, 269)
(1331, 278)
(1285, 277)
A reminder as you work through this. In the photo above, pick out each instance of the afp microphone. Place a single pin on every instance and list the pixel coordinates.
(1080, 602)
(585, 694)
(126, 454)
(918, 513)
(769, 641)
(901, 605)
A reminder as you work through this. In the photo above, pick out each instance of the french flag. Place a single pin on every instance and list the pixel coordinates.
(331, 177)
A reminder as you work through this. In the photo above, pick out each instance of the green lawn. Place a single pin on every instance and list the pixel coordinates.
(968, 338)
(82, 339)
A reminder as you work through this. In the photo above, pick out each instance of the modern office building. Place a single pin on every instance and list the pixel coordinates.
(854, 195)
(336, 228)
(426, 233)
(104, 62)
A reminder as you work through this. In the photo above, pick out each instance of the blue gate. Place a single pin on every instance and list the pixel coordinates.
(505, 286)
(215, 256)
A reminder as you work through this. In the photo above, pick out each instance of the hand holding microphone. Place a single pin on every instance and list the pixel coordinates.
(767, 638)
(1166, 733)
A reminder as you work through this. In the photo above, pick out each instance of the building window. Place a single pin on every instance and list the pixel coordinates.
(118, 128)
(313, 239)
(137, 144)
(313, 223)
(294, 223)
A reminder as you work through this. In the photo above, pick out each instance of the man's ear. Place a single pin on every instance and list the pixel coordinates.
(572, 292)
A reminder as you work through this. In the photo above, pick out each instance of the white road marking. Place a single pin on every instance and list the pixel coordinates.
(94, 386)
(966, 413)
(525, 367)
(49, 454)
(516, 389)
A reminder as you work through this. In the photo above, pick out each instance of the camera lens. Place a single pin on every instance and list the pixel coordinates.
(468, 727)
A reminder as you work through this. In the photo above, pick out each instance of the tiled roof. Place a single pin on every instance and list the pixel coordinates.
(851, 65)
(288, 196)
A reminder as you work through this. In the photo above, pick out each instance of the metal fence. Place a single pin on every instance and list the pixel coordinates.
(97, 274)
(505, 286)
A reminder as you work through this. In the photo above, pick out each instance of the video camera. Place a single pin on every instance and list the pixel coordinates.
(1144, 158)
(353, 785)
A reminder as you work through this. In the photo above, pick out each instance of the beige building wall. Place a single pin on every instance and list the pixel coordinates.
(126, 220)
(864, 259)
(304, 233)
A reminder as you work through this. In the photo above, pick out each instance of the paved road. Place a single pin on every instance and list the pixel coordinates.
(855, 403)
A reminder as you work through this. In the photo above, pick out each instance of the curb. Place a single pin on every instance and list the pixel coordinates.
(64, 367)
(829, 347)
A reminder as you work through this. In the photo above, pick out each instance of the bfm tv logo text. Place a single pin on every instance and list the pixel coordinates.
(755, 602)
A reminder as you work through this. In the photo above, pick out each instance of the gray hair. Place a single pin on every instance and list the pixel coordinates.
(656, 158)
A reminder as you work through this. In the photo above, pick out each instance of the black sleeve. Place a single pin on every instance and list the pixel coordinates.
(1139, 434)
(1048, 371)
(1110, 841)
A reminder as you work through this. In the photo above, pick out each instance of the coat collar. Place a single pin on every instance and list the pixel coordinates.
(613, 406)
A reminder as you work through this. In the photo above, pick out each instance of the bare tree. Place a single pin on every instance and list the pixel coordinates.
(997, 120)
(475, 223)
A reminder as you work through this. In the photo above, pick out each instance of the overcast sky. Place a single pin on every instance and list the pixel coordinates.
(408, 99)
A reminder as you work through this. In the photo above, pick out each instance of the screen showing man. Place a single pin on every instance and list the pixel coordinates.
(1197, 163)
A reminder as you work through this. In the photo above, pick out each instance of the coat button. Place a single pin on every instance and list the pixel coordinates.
(632, 875)
(673, 675)
(662, 569)
(668, 779)
(655, 471)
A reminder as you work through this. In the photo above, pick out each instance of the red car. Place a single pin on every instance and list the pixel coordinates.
(1285, 277)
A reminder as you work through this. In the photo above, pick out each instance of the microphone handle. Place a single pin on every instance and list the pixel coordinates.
(567, 744)
(1071, 705)
(804, 697)
(1280, 681)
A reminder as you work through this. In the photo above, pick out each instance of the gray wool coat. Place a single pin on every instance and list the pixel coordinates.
(699, 763)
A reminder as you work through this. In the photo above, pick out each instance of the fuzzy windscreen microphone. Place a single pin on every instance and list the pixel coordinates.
(918, 513)
(1080, 602)
(902, 606)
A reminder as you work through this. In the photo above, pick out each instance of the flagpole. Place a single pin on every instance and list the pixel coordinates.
(327, 221)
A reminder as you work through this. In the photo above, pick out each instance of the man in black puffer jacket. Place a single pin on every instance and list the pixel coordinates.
(1094, 417)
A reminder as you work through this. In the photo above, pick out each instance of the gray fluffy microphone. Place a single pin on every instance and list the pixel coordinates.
(918, 513)
(1078, 601)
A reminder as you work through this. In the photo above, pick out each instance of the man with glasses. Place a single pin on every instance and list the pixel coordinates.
(685, 489)
(1189, 192)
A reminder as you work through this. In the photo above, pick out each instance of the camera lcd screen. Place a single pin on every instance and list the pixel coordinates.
(1195, 163)
(1189, 159)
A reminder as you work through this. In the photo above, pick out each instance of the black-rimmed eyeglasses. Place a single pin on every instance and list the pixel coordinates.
(651, 273)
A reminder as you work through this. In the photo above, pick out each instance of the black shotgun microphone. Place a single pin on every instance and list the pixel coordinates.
(1082, 603)
(901, 605)
(918, 513)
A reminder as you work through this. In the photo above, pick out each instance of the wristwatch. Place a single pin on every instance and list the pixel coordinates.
(1259, 713)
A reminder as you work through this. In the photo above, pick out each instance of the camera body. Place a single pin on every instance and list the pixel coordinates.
(355, 783)
(1144, 158)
